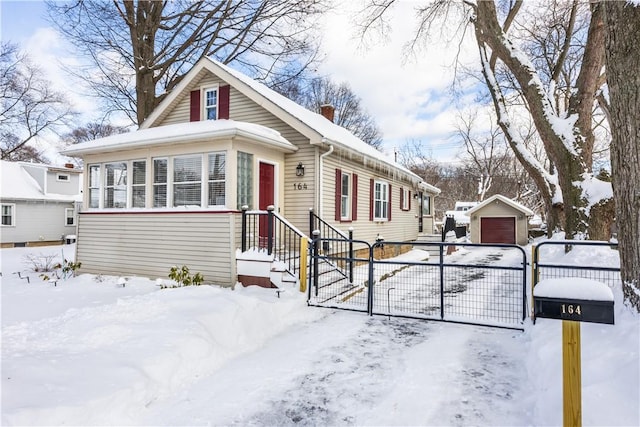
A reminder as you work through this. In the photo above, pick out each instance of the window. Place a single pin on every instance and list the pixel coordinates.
(211, 103)
(405, 199)
(426, 205)
(187, 180)
(94, 186)
(245, 179)
(159, 183)
(138, 181)
(115, 188)
(345, 195)
(69, 216)
(63, 177)
(8, 215)
(381, 201)
(216, 181)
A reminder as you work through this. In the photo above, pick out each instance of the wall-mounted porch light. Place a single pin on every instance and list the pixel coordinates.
(300, 169)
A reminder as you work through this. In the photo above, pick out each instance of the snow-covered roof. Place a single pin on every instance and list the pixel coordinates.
(181, 133)
(330, 132)
(315, 126)
(18, 184)
(525, 210)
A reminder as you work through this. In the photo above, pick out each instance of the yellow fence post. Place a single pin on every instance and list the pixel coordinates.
(571, 374)
(303, 263)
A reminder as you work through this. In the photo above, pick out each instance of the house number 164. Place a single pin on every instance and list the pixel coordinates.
(571, 309)
(299, 186)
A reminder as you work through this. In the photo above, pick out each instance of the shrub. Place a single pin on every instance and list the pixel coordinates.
(182, 276)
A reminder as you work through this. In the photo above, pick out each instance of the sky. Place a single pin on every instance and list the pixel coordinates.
(90, 351)
(409, 98)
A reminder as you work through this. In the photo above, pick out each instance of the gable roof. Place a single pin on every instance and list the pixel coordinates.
(312, 125)
(17, 184)
(507, 201)
(182, 133)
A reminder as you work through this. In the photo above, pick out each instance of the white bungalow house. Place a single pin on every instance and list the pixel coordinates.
(171, 192)
(39, 203)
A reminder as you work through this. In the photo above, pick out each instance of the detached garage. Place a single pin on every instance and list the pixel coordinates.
(500, 220)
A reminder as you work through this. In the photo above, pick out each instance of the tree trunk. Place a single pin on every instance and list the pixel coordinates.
(623, 62)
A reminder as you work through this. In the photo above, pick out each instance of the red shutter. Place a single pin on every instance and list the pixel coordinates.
(194, 106)
(389, 205)
(401, 198)
(354, 199)
(223, 102)
(371, 202)
(338, 193)
(409, 193)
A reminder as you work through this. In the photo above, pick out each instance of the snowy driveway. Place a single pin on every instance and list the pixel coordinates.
(350, 369)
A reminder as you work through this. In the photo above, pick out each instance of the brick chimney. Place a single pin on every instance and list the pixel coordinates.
(327, 110)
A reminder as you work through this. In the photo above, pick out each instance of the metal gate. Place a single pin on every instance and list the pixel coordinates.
(465, 283)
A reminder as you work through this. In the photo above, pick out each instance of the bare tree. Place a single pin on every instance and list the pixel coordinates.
(486, 151)
(91, 131)
(29, 107)
(560, 104)
(142, 49)
(623, 60)
(349, 112)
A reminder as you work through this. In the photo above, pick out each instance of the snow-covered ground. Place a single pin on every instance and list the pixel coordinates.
(90, 351)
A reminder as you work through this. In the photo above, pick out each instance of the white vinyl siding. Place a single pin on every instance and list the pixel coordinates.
(131, 243)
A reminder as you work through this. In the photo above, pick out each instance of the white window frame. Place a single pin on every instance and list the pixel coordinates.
(98, 188)
(12, 214)
(63, 177)
(203, 175)
(405, 199)
(131, 185)
(66, 217)
(166, 184)
(206, 107)
(381, 200)
(116, 186)
(345, 199)
(211, 181)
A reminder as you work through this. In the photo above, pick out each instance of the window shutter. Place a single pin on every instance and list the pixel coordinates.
(338, 193)
(371, 201)
(354, 198)
(409, 193)
(194, 107)
(389, 205)
(401, 198)
(223, 102)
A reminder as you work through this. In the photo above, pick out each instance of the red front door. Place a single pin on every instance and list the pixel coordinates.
(266, 197)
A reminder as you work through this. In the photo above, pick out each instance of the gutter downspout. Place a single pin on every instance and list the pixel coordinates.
(320, 186)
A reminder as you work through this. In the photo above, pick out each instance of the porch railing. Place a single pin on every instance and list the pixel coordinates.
(269, 232)
(335, 245)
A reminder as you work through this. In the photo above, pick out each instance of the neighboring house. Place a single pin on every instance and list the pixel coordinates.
(499, 219)
(39, 203)
(459, 212)
(172, 191)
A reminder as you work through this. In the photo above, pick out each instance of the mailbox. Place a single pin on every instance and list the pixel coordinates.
(578, 310)
(576, 299)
